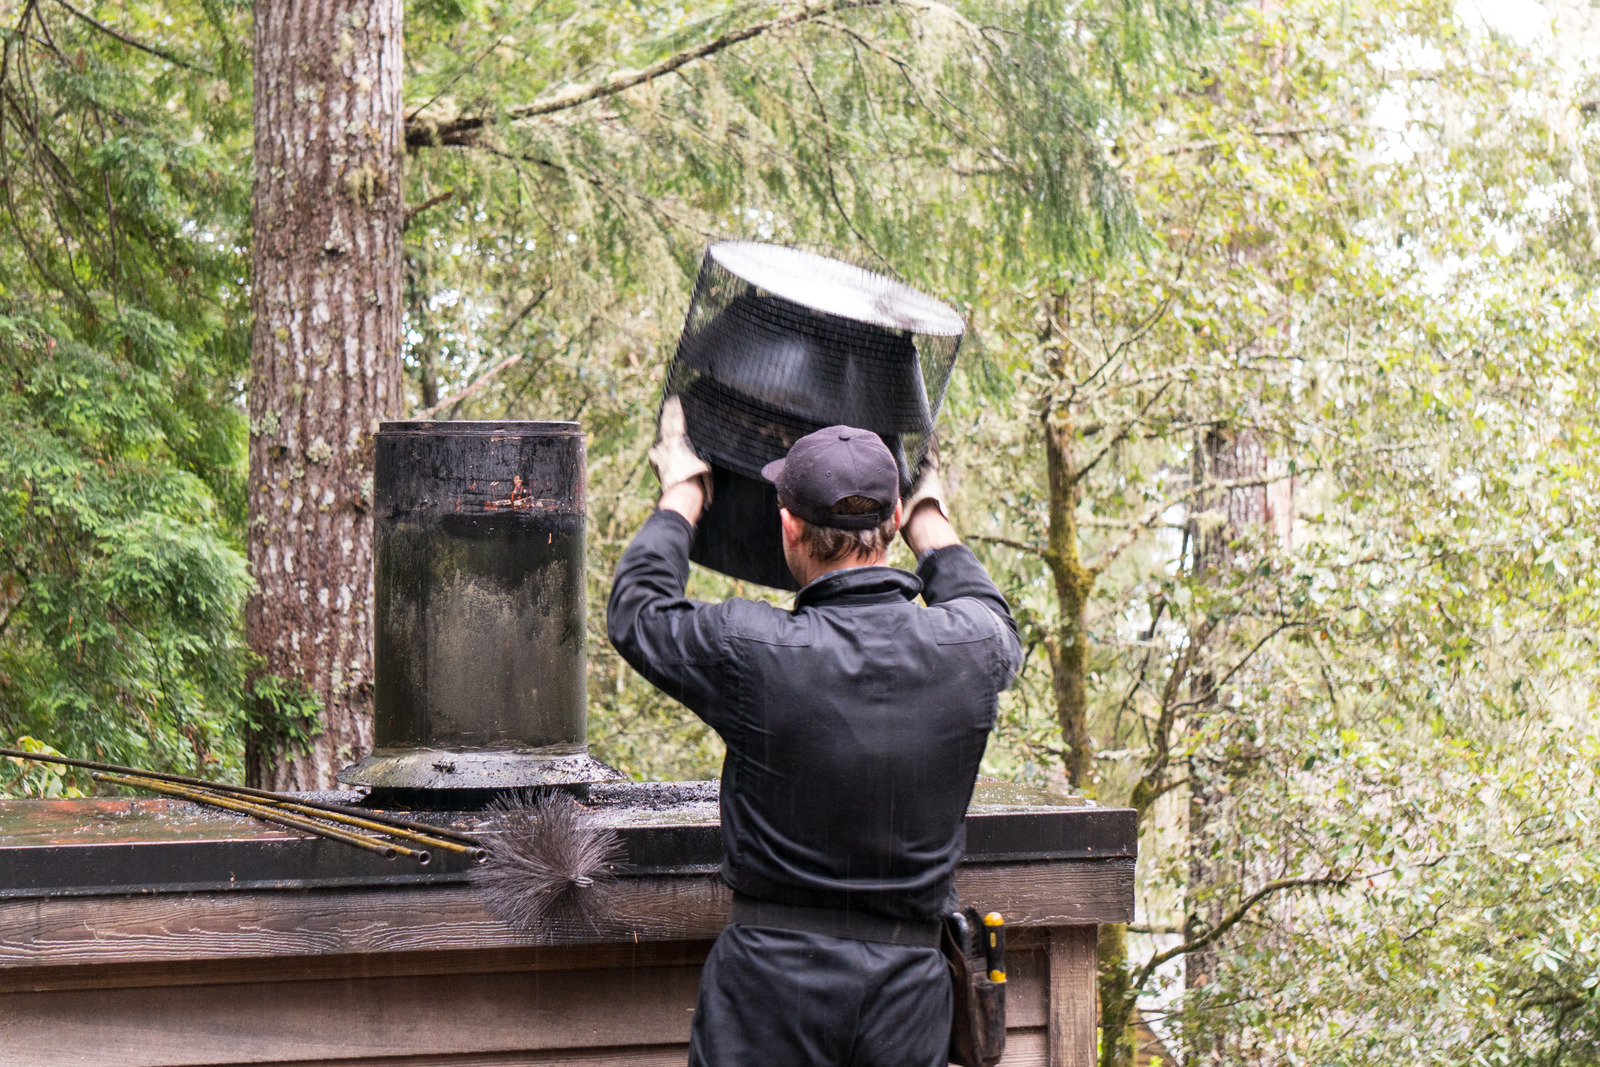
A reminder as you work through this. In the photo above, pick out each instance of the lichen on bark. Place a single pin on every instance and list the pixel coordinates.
(325, 357)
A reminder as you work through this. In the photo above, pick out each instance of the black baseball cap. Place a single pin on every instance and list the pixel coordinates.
(823, 468)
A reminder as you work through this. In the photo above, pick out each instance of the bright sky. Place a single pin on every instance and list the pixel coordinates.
(1524, 21)
(1568, 28)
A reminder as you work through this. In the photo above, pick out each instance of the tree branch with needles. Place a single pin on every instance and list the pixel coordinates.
(132, 42)
(464, 130)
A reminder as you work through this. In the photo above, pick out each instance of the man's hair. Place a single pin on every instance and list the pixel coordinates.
(827, 544)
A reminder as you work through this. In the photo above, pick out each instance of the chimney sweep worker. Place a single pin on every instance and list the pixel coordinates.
(854, 726)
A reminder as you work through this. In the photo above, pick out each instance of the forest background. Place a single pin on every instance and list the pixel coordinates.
(1275, 422)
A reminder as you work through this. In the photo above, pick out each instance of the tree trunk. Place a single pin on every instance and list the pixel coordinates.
(426, 349)
(1117, 1000)
(325, 293)
(1069, 650)
(1222, 456)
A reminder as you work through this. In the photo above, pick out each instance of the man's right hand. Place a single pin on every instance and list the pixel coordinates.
(926, 525)
(674, 459)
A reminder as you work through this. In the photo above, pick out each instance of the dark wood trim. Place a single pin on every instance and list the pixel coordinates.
(638, 1056)
(364, 922)
(100, 846)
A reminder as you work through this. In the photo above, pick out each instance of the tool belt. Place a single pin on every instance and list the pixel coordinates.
(974, 952)
(833, 922)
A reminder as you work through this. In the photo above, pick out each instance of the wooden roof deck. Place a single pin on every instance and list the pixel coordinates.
(143, 932)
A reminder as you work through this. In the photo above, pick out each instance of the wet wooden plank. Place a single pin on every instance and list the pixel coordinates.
(644, 1056)
(344, 1019)
(253, 925)
(99, 846)
(1024, 1048)
(1073, 1017)
(140, 974)
(532, 1017)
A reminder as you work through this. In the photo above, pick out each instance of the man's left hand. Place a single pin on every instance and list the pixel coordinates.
(927, 519)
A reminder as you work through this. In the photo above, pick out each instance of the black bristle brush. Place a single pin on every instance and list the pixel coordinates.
(550, 862)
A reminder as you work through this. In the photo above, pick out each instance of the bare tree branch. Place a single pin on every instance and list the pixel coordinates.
(1262, 131)
(1127, 540)
(464, 129)
(1006, 542)
(1232, 919)
(425, 205)
(1289, 624)
(477, 383)
(527, 309)
(1121, 435)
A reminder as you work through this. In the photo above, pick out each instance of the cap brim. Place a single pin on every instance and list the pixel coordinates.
(773, 471)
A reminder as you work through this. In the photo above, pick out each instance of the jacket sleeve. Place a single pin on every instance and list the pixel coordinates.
(953, 573)
(676, 643)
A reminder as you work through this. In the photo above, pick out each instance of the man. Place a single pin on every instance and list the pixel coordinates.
(854, 726)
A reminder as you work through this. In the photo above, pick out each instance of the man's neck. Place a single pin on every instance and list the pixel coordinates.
(817, 570)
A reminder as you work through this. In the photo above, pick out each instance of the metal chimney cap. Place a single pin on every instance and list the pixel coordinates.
(838, 288)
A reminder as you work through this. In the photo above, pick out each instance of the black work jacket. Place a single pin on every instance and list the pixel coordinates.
(854, 723)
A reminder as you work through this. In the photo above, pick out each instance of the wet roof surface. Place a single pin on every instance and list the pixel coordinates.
(119, 845)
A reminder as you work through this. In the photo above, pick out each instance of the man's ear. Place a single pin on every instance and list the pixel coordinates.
(899, 513)
(792, 529)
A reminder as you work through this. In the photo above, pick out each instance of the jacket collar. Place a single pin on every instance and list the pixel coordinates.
(860, 585)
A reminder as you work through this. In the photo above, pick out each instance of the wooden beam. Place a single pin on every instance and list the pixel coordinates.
(1026, 1048)
(349, 1019)
(1073, 996)
(541, 1015)
(204, 972)
(264, 924)
(1051, 892)
(640, 1056)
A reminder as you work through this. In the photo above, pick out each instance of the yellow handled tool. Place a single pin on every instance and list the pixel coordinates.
(994, 945)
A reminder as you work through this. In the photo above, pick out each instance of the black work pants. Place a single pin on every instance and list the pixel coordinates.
(782, 998)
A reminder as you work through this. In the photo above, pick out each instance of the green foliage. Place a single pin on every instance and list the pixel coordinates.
(1473, 940)
(911, 136)
(1390, 702)
(282, 714)
(1356, 239)
(44, 781)
(122, 350)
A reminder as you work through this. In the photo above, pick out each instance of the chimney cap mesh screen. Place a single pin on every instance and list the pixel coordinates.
(780, 342)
